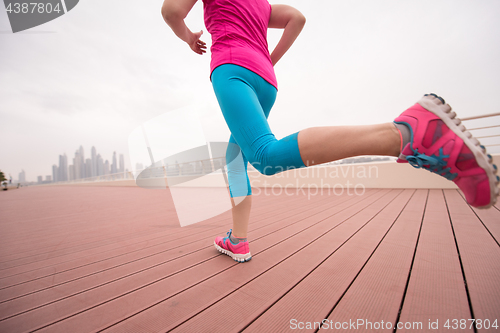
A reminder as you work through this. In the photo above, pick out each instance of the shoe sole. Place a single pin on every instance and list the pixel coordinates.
(236, 257)
(435, 105)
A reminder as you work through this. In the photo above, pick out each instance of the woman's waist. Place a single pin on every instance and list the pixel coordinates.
(262, 67)
(225, 52)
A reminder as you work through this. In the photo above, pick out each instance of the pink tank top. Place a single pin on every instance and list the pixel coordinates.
(239, 35)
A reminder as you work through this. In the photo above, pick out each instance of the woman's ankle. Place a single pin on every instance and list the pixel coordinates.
(235, 240)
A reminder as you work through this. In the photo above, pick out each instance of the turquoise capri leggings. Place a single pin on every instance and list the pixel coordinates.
(246, 99)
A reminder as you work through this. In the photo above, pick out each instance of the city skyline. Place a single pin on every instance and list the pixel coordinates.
(80, 168)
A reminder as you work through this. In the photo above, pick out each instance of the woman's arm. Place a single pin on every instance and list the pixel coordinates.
(174, 12)
(290, 19)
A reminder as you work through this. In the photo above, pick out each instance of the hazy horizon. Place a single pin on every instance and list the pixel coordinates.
(95, 74)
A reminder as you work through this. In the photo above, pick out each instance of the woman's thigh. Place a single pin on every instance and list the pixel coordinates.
(240, 101)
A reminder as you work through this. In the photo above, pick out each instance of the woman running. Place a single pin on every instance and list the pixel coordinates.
(427, 135)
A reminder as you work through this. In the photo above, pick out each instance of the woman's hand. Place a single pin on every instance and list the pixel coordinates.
(174, 12)
(196, 44)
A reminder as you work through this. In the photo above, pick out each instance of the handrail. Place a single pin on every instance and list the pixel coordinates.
(481, 116)
(478, 134)
(477, 128)
(487, 136)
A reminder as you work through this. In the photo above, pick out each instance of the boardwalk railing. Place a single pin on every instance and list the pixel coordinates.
(485, 128)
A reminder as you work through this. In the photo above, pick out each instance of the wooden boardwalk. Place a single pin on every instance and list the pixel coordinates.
(114, 259)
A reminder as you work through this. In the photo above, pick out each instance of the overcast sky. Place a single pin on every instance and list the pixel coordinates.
(95, 74)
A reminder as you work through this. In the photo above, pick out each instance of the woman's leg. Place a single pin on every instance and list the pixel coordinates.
(239, 93)
(241, 216)
(246, 101)
(239, 189)
(241, 196)
(319, 145)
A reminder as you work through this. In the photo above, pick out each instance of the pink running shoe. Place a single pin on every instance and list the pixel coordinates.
(439, 143)
(239, 252)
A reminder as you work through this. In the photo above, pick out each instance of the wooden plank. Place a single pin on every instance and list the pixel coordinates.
(491, 220)
(151, 284)
(314, 298)
(61, 204)
(191, 299)
(44, 225)
(56, 229)
(269, 288)
(36, 269)
(132, 251)
(123, 265)
(480, 255)
(60, 233)
(64, 285)
(219, 272)
(376, 294)
(436, 290)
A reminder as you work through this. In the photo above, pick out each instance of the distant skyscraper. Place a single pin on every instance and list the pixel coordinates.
(88, 168)
(122, 164)
(83, 169)
(99, 165)
(76, 172)
(40, 179)
(63, 168)
(94, 161)
(81, 153)
(22, 177)
(48, 179)
(71, 171)
(114, 167)
(106, 167)
(55, 173)
(79, 164)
